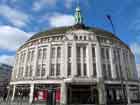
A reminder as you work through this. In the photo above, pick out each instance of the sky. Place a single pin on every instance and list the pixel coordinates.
(20, 19)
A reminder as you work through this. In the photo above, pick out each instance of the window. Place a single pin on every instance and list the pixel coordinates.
(109, 71)
(29, 55)
(26, 72)
(57, 69)
(102, 53)
(85, 38)
(94, 70)
(76, 38)
(38, 70)
(59, 52)
(78, 52)
(85, 69)
(23, 57)
(80, 37)
(93, 52)
(79, 69)
(84, 51)
(20, 72)
(69, 69)
(43, 70)
(53, 53)
(117, 71)
(69, 51)
(32, 56)
(107, 53)
(30, 71)
(39, 54)
(114, 60)
(44, 53)
(52, 72)
(104, 71)
(118, 54)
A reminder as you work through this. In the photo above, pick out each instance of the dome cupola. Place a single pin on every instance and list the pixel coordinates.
(78, 16)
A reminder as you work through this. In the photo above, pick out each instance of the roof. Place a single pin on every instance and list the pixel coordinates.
(63, 30)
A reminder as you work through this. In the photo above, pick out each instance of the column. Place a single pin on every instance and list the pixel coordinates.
(13, 94)
(31, 93)
(113, 72)
(48, 60)
(64, 60)
(25, 62)
(63, 99)
(74, 60)
(89, 60)
(35, 61)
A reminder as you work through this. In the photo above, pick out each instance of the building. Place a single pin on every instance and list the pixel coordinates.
(5, 75)
(138, 69)
(75, 65)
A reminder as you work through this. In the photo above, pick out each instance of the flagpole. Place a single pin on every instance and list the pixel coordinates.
(111, 22)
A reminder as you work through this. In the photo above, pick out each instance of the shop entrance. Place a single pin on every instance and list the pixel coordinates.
(82, 94)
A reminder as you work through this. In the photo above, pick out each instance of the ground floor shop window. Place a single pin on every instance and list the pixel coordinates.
(22, 93)
(115, 95)
(82, 95)
(45, 93)
(134, 94)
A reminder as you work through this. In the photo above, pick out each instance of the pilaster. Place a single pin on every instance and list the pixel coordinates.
(65, 60)
(35, 62)
(113, 72)
(62, 63)
(89, 60)
(101, 92)
(48, 60)
(25, 62)
(98, 61)
(63, 93)
(13, 94)
(122, 71)
(100, 84)
(74, 60)
(81, 61)
(31, 93)
(18, 65)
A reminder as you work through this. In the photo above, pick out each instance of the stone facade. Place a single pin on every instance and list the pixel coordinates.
(79, 57)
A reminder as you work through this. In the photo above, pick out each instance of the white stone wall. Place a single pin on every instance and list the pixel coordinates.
(74, 39)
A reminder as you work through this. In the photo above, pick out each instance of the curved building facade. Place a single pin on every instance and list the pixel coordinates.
(75, 65)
